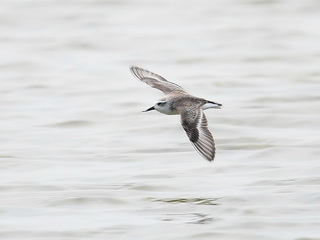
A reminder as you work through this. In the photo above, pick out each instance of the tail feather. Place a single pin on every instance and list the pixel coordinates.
(211, 104)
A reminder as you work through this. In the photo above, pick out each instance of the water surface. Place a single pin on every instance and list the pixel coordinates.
(79, 160)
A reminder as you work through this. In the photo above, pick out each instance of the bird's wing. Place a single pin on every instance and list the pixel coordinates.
(194, 122)
(155, 81)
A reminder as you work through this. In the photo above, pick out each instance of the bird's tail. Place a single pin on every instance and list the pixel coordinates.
(211, 104)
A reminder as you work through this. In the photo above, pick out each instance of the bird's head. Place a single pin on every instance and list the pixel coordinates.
(159, 106)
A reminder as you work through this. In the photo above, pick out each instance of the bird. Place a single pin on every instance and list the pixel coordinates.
(178, 101)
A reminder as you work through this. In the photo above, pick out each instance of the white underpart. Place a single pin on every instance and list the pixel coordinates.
(210, 105)
(165, 109)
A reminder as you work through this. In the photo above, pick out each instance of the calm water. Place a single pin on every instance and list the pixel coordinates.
(79, 160)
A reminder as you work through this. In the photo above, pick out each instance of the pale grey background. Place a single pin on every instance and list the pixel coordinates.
(79, 160)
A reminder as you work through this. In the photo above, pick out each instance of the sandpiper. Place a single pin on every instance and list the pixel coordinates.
(190, 108)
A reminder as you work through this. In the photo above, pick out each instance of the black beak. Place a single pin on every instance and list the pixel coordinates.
(149, 109)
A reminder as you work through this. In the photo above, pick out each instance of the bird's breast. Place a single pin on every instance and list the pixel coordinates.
(168, 110)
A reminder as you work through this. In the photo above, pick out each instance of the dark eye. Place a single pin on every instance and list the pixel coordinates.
(159, 103)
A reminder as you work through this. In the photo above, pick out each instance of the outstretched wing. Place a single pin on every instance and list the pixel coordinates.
(155, 81)
(194, 122)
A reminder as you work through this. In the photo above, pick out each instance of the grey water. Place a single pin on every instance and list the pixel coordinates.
(79, 159)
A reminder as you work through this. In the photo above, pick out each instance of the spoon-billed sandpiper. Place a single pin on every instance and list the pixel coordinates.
(190, 108)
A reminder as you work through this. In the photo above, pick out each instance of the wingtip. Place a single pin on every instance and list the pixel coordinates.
(132, 67)
(138, 72)
(135, 71)
(210, 159)
(207, 156)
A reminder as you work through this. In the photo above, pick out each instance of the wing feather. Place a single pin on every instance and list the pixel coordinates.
(195, 123)
(155, 80)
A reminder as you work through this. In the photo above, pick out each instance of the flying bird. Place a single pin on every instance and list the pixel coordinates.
(190, 108)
